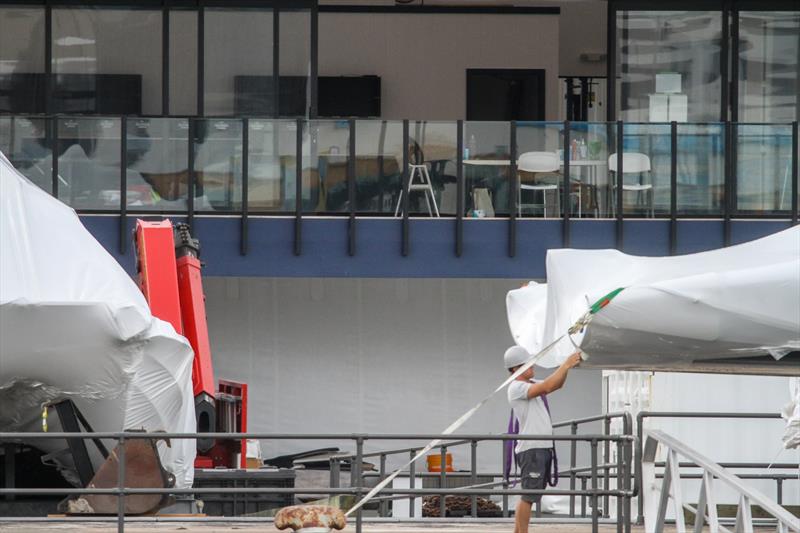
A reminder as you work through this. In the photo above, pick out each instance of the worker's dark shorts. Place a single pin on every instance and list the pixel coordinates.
(534, 465)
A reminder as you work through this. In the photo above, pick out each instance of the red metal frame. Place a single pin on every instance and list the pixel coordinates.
(193, 311)
(174, 289)
(155, 248)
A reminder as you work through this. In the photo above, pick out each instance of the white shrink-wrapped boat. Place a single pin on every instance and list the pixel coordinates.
(731, 310)
(74, 325)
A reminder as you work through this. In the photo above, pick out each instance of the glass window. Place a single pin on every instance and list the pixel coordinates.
(668, 66)
(89, 162)
(218, 165)
(769, 55)
(295, 62)
(272, 165)
(22, 53)
(26, 143)
(763, 168)
(158, 162)
(486, 168)
(237, 75)
(701, 169)
(182, 62)
(96, 69)
(379, 166)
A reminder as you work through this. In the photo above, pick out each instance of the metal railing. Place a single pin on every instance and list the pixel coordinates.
(623, 493)
(332, 176)
(656, 500)
(778, 477)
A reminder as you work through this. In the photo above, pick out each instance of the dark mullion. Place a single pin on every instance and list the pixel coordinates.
(190, 175)
(734, 89)
(351, 190)
(726, 194)
(405, 192)
(298, 188)
(245, 184)
(201, 59)
(723, 65)
(513, 190)
(314, 59)
(165, 61)
(54, 158)
(795, 185)
(673, 188)
(565, 233)
(276, 61)
(123, 185)
(460, 187)
(48, 61)
(611, 62)
(619, 177)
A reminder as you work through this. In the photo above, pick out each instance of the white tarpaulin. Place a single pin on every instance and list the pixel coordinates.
(706, 311)
(73, 324)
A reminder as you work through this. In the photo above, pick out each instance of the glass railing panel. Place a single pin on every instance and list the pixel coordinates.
(89, 162)
(157, 159)
(272, 160)
(646, 167)
(26, 144)
(325, 165)
(540, 169)
(433, 145)
(379, 166)
(701, 169)
(486, 169)
(218, 165)
(763, 169)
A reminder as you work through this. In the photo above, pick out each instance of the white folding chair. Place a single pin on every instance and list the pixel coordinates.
(632, 163)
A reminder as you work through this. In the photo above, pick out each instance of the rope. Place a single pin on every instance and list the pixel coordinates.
(581, 323)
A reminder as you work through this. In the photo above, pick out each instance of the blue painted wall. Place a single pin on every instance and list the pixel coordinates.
(432, 245)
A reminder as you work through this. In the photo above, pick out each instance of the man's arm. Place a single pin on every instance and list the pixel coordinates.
(555, 380)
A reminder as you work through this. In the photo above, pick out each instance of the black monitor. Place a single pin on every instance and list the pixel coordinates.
(505, 94)
(107, 94)
(349, 96)
(338, 96)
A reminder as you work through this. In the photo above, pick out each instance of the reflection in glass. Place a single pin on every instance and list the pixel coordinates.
(182, 62)
(486, 168)
(763, 168)
(295, 62)
(89, 162)
(325, 159)
(433, 145)
(540, 170)
(271, 168)
(238, 62)
(646, 169)
(668, 65)
(25, 142)
(158, 163)
(379, 166)
(701, 169)
(22, 81)
(769, 66)
(95, 71)
(218, 165)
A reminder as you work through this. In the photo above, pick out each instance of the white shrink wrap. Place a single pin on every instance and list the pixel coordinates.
(735, 309)
(73, 324)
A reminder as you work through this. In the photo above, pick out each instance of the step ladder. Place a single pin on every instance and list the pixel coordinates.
(423, 185)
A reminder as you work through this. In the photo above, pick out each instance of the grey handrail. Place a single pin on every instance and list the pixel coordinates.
(712, 471)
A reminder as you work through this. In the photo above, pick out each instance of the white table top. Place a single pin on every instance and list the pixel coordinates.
(507, 162)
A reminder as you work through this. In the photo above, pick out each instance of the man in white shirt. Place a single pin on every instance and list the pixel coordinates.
(526, 398)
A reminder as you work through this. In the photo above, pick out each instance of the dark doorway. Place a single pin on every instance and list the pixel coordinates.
(505, 94)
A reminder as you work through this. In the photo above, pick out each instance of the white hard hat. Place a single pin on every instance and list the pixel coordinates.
(515, 356)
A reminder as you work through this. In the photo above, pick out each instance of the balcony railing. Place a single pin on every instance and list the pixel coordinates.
(248, 167)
